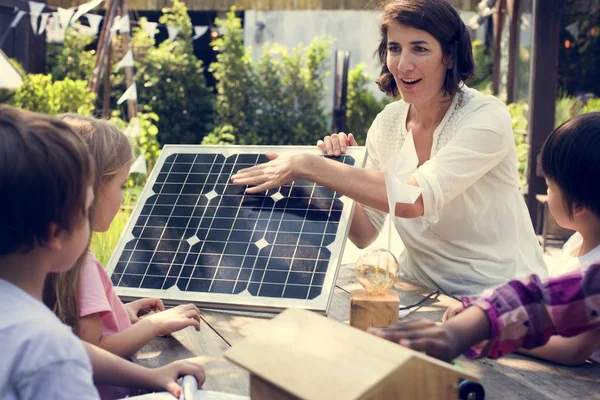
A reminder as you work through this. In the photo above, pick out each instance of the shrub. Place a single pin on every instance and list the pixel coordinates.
(39, 93)
(71, 59)
(362, 106)
(276, 100)
(171, 81)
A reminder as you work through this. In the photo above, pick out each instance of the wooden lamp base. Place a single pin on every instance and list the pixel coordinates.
(373, 311)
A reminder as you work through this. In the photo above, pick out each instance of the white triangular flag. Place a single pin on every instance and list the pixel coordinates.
(173, 31)
(130, 94)
(151, 29)
(35, 10)
(398, 171)
(17, 18)
(44, 22)
(127, 61)
(116, 24)
(133, 129)
(85, 8)
(573, 29)
(64, 15)
(139, 165)
(199, 31)
(94, 21)
(124, 24)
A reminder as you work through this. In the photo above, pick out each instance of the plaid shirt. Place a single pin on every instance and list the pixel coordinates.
(527, 313)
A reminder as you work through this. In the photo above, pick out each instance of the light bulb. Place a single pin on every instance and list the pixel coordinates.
(377, 271)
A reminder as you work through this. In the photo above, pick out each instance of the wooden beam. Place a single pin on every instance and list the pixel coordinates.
(514, 11)
(543, 88)
(103, 41)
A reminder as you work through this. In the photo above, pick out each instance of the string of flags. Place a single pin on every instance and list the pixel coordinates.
(61, 18)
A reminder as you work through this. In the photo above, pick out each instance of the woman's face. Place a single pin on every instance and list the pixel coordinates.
(110, 198)
(416, 60)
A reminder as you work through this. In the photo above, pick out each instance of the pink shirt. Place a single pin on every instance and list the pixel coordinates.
(97, 296)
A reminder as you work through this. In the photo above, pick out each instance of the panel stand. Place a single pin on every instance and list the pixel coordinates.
(373, 310)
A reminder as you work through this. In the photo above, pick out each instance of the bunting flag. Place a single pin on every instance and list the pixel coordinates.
(199, 31)
(150, 28)
(139, 165)
(134, 129)
(573, 29)
(94, 21)
(35, 10)
(10, 77)
(130, 94)
(44, 22)
(64, 16)
(173, 31)
(85, 8)
(127, 61)
(17, 19)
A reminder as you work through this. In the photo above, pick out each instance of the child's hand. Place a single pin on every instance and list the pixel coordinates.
(148, 304)
(422, 335)
(175, 319)
(453, 311)
(166, 377)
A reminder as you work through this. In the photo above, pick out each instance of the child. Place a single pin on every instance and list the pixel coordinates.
(570, 165)
(85, 297)
(46, 178)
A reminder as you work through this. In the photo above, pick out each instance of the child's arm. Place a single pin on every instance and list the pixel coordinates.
(113, 370)
(517, 314)
(568, 351)
(127, 342)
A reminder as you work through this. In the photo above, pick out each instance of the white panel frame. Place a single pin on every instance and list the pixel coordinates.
(239, 301)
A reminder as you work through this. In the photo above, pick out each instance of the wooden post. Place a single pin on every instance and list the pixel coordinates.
(106, 95)
(514, 11)
(103, 45)
(131, 104)
(368, 311)
(498, 27)
(543, 87)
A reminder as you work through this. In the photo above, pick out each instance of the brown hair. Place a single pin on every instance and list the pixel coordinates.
(111, 151)
(45, 170)
(440, 20)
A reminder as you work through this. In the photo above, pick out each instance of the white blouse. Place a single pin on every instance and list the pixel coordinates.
(476, 231)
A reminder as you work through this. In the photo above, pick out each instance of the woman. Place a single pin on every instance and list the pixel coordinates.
(470, 228)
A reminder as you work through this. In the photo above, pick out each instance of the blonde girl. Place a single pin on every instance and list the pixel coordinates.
(84, 297)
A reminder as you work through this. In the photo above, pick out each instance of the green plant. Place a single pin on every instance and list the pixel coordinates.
(73, 60)
(39, 93)
(482, 80)
(362, 106)
(170, 79)
(222, 135)
(519, 113)
(146, 143)
(276, 100)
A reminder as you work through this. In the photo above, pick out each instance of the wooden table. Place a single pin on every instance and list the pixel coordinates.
(512, 377)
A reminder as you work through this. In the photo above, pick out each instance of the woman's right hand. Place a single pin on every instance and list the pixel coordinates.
(175, 319)
(336, 143)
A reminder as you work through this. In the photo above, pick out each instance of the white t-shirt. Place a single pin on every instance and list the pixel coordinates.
(568, 260)
(476, 231)
(41, 358)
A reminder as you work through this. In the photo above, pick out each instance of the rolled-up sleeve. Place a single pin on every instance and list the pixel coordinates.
(483, 138)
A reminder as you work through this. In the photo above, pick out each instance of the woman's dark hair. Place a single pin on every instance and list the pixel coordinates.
(440, 20)
(571, 159)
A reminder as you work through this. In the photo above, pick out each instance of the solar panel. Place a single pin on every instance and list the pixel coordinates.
(195, 237)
